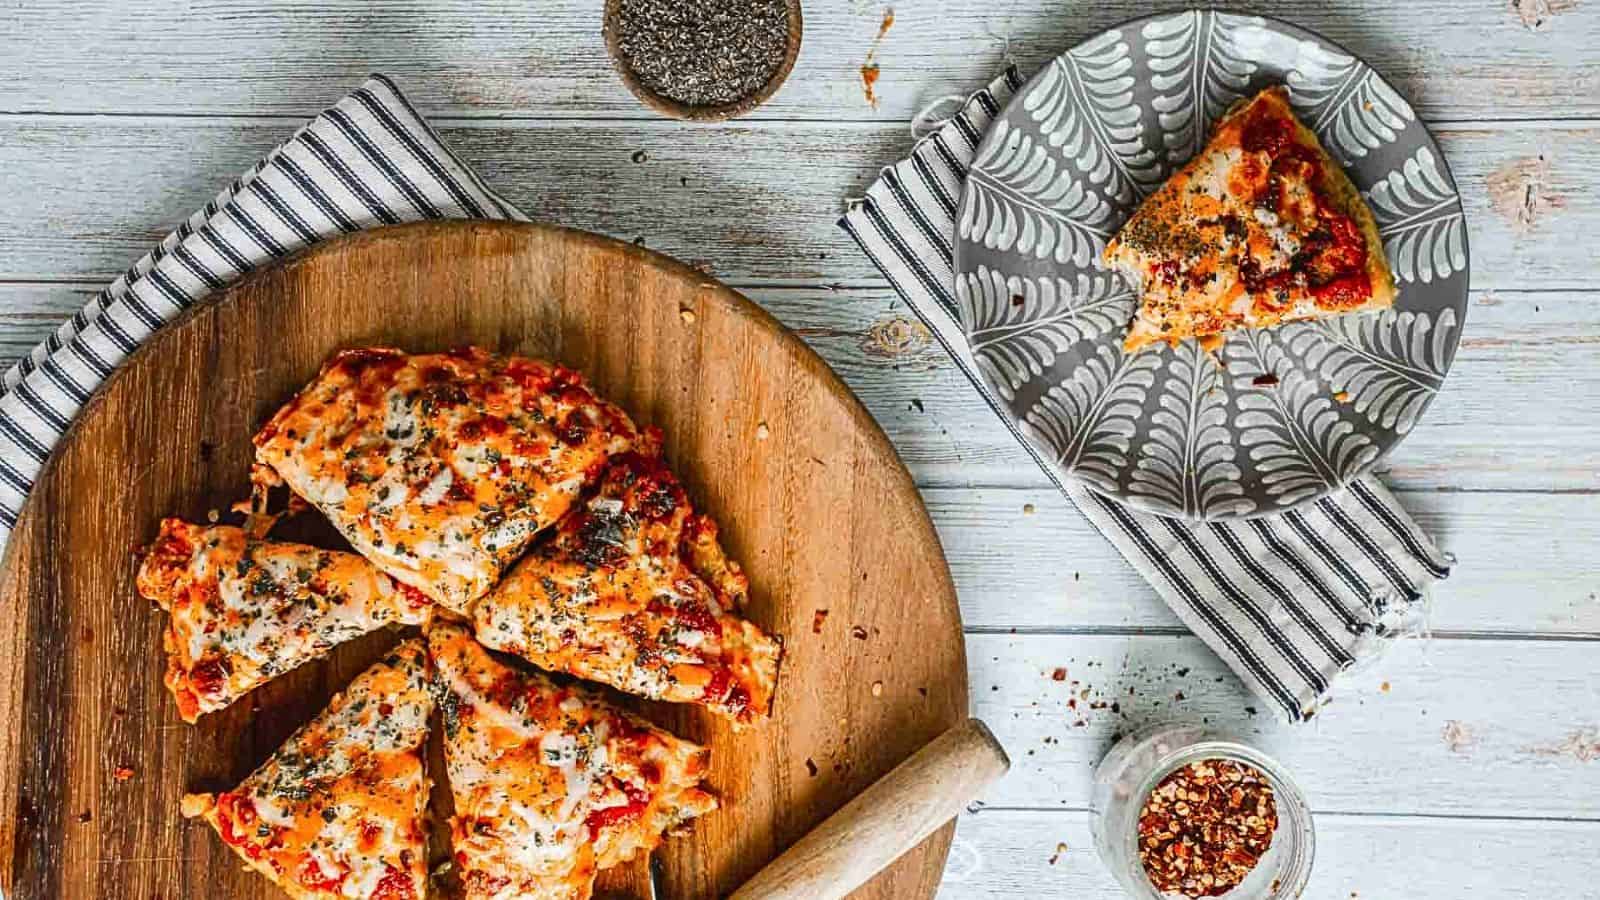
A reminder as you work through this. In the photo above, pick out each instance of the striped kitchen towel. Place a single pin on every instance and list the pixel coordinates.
(1288, 601)
(369, 160)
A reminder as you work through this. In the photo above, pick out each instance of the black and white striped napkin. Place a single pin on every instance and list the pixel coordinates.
(1288, 601)
(369, 160)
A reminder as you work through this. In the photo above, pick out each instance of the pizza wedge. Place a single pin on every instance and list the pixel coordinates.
(551, 783)
(634, 591)
(441, 467)
(244, 610)
(339, 810)
(1260, 227)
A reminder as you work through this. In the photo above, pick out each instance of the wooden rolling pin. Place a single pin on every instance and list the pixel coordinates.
(885, 820)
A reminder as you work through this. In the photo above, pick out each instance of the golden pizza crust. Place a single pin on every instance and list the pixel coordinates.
(1186, 247)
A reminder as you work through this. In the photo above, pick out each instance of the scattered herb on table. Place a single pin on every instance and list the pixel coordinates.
(703, 52)
(1205, 826)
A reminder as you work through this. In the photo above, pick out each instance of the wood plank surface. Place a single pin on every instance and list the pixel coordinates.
(811, 497)
(1005, 853)
(751, 202)
(1022, 556)
(513, 58)
(108, 138)
(1525, 735)
(1536, 354)
(1047, 569)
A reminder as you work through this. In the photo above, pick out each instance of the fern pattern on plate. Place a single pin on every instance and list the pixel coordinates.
(1197, 70)
(1420, 218)
(1291, 429)
(1089, 420)
(1389, 363)
(1352, 109)
(1166, 430)
(1018, 326)
(1021, 199)
(1084, 105)
(1187, 466)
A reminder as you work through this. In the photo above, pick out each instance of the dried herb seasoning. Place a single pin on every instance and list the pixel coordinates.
(703, 53)
(1205, 826)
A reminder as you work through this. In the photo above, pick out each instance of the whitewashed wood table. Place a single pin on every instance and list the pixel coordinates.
(1469, 763)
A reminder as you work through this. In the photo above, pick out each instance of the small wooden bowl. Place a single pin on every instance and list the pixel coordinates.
(669, 107)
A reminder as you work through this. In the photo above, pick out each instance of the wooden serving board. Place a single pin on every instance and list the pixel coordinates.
(811, 496)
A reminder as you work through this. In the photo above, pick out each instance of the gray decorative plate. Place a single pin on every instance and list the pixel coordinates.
(1171, 431)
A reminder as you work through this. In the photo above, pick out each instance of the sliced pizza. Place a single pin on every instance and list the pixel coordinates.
(634, 591)
(1261, 227)
(551, 783)
(441, 467)
(339, 810)
(245, 610)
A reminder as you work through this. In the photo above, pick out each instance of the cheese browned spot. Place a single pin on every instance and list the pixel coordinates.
(441, 467)
(1261, 227)
(551, 783)
(244, 611)
(338, 811)
(634, 591)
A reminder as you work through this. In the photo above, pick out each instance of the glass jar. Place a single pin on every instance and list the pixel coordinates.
(1132, 769)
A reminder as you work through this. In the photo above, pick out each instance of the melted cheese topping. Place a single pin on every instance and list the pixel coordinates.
(551, 783)
(1249, 234)
(440, 468)
(244, 611)
(338, 811)
(613, 598)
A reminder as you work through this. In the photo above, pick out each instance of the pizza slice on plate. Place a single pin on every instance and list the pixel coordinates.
(551, 783)
(1261, 227)
(245, 610)
(634, 591)
(338, 811)
(441, 467)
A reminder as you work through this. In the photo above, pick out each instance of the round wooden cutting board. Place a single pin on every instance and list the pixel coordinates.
(810, 495)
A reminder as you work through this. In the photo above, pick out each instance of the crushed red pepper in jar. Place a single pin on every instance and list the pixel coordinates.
(1205, 826)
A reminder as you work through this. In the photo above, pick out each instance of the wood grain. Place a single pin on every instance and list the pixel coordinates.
(751, 202)
(513, 58)
(821, 513)
(1539, 353)
(755, 202)
(882, 822)
(1535, 352)
(1527, 735)
(1050, 856)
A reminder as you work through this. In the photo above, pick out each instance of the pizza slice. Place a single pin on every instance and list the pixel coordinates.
(551, 783)
(441, 467)
(339, 810)
(634, 591)
(1261, 227)
(245, 610)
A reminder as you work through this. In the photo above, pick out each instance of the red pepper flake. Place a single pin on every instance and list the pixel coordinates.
(1267, 380)
(858, 633)
(122, 773)
(817, 618)
(1059, 674)
(1204, 828)
(869, 69)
